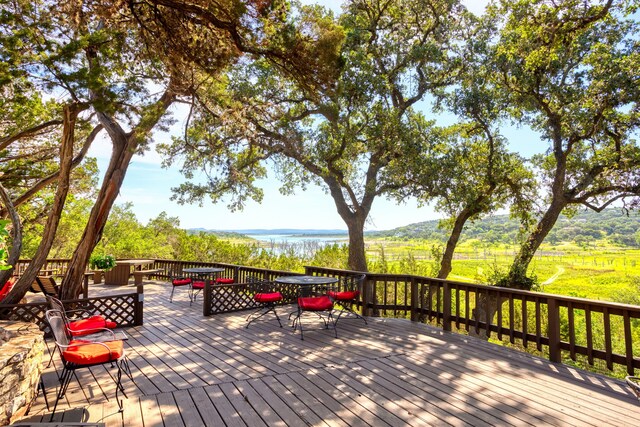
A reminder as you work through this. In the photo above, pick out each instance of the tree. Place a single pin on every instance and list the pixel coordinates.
(342, 134)
(569, 71)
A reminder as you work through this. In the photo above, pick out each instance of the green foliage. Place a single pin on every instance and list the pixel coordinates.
(102, 262)
(4, 235)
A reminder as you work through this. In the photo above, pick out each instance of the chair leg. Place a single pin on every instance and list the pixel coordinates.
(263, 311)
(44, 392)
(65, 379)
(119, 387)
(172, 291)
(297, 321)
(348, 308)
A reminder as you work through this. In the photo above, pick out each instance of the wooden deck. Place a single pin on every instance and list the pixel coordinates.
(190, 370)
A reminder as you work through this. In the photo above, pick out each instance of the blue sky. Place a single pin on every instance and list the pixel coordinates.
(148, 186)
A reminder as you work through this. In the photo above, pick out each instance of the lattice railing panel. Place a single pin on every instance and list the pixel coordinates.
(118, 308)
(227, 298)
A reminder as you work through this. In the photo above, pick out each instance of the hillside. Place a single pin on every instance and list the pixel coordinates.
(586, 226)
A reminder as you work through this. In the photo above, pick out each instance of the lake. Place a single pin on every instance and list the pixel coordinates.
(300, 238)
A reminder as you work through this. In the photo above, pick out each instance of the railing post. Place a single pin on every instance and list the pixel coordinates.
(446, 306)
(206, 303)
(139, 306)
(236, 274)
(85, 287)
(553, 311)
(415, 300)
(366, 296)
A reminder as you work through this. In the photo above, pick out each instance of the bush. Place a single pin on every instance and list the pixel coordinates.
(102, 262)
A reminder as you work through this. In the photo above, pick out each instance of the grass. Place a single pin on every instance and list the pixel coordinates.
(603, 271)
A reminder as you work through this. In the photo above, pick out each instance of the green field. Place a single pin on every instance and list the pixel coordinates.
(601, 271)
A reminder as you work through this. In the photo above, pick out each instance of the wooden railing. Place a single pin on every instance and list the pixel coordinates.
(555, 326)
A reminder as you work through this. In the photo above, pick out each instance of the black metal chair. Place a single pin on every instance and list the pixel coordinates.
(77, 354)
(178, 281)
(265, 296)
(322, 306)
(346, 294)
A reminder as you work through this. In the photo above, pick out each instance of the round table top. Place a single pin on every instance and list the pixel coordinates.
(306, 280)
(203, 270)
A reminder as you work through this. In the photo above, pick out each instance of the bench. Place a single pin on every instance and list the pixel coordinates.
(139, 274)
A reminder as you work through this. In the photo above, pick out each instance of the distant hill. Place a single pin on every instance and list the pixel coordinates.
(610, 224)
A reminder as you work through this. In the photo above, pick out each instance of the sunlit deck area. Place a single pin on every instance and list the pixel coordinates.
(194, 370)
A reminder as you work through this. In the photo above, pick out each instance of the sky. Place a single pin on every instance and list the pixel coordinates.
(148, 187)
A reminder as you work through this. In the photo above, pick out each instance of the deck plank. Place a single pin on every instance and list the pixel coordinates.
(189, 370)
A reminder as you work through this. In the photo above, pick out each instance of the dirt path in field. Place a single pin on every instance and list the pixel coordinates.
(550, 280)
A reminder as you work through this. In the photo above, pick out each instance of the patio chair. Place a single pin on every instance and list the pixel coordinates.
(316, 305)
(77, 354)
(178, 281)
(265, 297)
(79, 322)
(346, 294)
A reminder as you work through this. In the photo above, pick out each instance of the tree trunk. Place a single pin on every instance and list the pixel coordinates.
(452, 242)
(70, 114)
(357, 257)
(16, 235)
(124, 147)
(486, 304)
(517, 274)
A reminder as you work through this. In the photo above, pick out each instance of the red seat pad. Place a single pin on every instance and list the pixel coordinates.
(198, 285)
(6, 288)
(315, 303)
(224, 281)
(270, 297)
(344, 296)
(90, 325)
(87, 354)
(180, 282)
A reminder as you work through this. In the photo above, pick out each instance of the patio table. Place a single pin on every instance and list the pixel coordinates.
(206, 272)
(306, 284)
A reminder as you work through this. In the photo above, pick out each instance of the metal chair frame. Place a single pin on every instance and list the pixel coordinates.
(56, 320)
(56, 304)
(173, 287)
(351, 283)
(327, 318)
(262, 287)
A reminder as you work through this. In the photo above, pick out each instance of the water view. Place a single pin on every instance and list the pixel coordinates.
(300, 238)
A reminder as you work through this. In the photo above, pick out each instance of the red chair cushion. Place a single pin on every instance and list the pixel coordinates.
(270, 297)
(180, 282)
(198, 285)
(224, 281)
(315, 303)
(90, 325)
(88, 354)
(344, 295)
(6, 288)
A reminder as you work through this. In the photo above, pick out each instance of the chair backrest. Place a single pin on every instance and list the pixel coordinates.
(55, 303)
(260, 286)
(48, 285)
(57, 323)
(353, 283)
